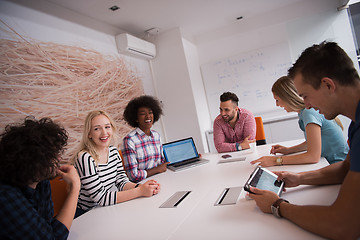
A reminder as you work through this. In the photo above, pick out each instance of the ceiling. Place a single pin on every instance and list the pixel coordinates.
(195, 17)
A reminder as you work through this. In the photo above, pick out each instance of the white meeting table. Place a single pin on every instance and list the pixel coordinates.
(196, 217)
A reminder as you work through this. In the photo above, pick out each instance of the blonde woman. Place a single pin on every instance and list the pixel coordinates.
(323, 137)
(102, 176)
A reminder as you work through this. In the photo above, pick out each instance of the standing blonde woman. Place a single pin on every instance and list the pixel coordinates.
(102, 176)
(323, 137)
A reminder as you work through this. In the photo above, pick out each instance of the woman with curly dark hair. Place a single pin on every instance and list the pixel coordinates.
(142, 151)
(30, 156)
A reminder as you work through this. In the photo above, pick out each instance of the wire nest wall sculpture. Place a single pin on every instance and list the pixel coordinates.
(45, 79)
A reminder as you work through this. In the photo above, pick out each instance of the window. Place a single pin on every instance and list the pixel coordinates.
(354, 14)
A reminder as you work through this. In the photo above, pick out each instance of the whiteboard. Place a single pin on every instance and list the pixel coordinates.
(250, 76)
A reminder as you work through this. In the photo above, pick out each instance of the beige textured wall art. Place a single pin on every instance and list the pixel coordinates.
(63, 83)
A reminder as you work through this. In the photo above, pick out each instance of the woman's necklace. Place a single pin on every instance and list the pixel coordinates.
(103, 156)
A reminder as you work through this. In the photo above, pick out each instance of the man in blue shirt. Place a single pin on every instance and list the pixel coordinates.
(30, 156)
(325, 77)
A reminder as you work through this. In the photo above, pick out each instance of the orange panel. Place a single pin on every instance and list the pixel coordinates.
(58, 193)
(260, 133)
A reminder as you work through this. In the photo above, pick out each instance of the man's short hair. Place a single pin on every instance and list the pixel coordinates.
(226, 96)
(326, 59)
(30, 151)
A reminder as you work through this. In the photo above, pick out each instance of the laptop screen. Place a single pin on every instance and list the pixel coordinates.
(180, 150)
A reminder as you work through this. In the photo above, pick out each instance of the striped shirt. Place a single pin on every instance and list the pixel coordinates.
(226, 137)
(141, 152)
(98, 182)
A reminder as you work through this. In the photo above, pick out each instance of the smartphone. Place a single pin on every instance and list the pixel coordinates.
(264, 179)
(226, 156)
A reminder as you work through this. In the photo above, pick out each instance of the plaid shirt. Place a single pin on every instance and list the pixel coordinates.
(27, 213)
(141, 152)
(225, 137)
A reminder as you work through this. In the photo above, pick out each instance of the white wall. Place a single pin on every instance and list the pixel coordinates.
(175, 90)
(198, 89)
(298, 27)
(60, 25)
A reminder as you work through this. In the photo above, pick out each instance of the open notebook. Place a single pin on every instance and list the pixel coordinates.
(182, 154)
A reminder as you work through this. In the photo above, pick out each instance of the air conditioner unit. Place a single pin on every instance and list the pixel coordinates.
(128, 44)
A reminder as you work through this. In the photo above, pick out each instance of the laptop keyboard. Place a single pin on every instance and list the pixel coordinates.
(186, 162)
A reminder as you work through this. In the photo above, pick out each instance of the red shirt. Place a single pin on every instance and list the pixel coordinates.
(225, 137)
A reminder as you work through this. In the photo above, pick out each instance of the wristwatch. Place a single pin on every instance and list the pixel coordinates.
(279, 161)
(238, 147)
(275, 208)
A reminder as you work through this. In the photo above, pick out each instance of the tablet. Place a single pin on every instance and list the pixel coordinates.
(264, 179)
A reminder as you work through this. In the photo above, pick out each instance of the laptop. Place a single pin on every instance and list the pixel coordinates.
(182, 154)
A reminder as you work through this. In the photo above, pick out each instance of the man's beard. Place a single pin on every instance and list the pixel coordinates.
(229, 119)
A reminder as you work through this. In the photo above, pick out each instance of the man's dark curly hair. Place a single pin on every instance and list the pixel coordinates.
(30, 151)
(131, 110)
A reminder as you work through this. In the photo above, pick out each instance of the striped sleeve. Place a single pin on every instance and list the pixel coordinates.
(121, 178)
(93, 192)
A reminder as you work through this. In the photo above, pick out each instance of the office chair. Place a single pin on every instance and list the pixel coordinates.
(123, 163)
(260, 133)
(58, 193)
(122, 158)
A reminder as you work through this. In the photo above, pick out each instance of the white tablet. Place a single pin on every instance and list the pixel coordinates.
(264, 179)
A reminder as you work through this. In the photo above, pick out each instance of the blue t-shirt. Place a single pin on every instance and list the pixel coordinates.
(354, 140)
(333, 145)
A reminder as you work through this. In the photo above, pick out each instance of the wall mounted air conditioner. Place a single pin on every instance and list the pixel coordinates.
(130, 45)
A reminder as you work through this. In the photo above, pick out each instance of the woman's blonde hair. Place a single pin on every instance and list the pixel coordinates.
(87, 144)
(285, 89)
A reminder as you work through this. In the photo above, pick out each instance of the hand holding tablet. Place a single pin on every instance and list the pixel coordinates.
(264, 179)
